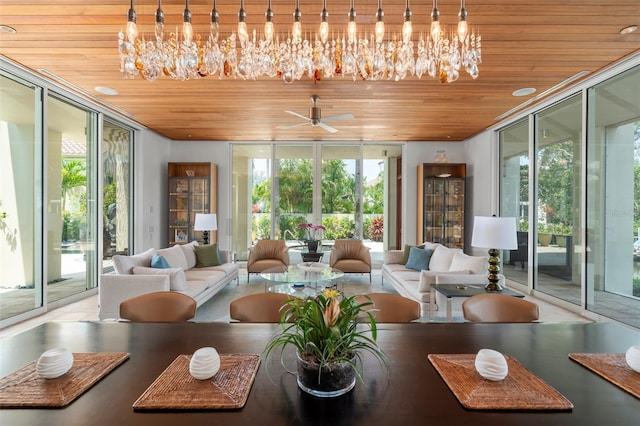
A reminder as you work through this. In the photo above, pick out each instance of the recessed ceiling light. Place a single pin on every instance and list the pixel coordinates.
(524, 92)
(106, 90)
(628, 30)
(8, 29)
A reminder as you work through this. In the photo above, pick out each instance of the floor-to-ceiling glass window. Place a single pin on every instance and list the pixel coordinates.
(613, 203)
(70, 198)
(344, 188)
(117, 141)
(514, 193)
(20, 197)
(559, 188)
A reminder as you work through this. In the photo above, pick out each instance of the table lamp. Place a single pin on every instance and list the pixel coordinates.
(494, 233)
(205, 222)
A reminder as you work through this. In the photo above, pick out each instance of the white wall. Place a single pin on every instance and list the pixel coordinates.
(481, 154)
(151, 155)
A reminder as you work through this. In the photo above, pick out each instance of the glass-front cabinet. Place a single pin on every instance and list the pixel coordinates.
(191, 191)
(441, 206)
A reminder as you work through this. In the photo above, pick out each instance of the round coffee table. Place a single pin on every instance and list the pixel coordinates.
(298, 282)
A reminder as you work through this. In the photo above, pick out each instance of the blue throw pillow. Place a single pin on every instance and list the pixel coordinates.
(158, 261)
(419, 259)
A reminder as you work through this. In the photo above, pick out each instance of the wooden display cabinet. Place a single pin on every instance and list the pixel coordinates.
(441, 203)
(192, 189)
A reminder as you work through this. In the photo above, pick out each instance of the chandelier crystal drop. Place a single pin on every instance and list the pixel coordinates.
(371, 54)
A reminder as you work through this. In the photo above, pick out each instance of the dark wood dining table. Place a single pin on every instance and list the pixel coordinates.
(410, 392)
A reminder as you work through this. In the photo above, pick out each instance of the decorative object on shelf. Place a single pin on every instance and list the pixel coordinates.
(494, 233)
(440, 158)
(327, 332)
(205, 222)
(190, 173)
(312, 235)
(289, 56)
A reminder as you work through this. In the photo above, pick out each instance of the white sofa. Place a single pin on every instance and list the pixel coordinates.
(446, 266)
(134, 276)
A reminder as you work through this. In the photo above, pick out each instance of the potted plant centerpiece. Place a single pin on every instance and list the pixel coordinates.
(312, 235)
(329, 332)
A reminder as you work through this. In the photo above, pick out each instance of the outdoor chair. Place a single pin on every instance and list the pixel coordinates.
(499, 308)
(162, 306)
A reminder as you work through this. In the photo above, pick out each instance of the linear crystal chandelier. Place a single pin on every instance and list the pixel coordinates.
(290, 54)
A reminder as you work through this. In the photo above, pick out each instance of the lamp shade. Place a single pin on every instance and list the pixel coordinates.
(205, 222)
(493, 232)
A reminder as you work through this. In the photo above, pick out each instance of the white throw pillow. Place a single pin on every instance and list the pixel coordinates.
(175, 256)
(440, 259)
(125, 264)
(190, 253)
(177, 277)
(474, 264)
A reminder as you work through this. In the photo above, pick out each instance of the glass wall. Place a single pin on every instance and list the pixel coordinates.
(558, 199)
(20, 198)
(583, 227)
(50, 208)
(613, 190)
(344, 188)
(117, 143)
(514, 184)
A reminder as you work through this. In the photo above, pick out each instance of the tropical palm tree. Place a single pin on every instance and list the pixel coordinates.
(74, 174)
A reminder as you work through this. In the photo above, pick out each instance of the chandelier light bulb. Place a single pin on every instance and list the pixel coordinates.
(351, 27)
(214, 28)
(187, 29)
(296, 30)
(379, 23)
(463, 27)
(132, 28)
(435, 21)
(268, 24)
(159, 28)
(324, 23)
(243, 34)
(407, 28)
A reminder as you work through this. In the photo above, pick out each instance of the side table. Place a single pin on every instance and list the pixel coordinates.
(311, 257)
(459, 290)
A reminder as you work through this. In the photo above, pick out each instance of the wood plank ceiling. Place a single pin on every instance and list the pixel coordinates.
(533, 43)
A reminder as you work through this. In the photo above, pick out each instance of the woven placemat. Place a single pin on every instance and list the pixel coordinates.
(24, 388)
(520, 390)
(176, 389)
(612, 367)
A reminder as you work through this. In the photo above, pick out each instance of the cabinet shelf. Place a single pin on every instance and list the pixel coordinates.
(192, 189)
(441, 204)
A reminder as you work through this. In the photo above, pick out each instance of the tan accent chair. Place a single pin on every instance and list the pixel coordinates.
(351, 257)
(259, 307)
(162, 306)
(267, 254)
(499, 308)
(389, 307)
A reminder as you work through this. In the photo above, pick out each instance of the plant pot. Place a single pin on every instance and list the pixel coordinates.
(312, 246)
(544, 239)
(329, 381)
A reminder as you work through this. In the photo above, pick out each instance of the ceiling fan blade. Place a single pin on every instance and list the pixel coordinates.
(327, 128)
(304, 117)
(294, 125)
(338, 117)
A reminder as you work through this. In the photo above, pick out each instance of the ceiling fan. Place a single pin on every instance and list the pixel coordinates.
(315, 118)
